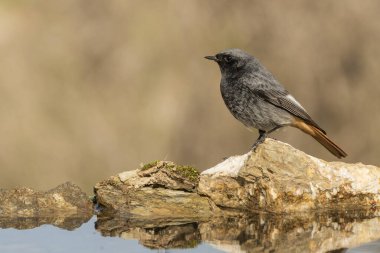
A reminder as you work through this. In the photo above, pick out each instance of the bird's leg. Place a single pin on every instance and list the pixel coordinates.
(262, 136)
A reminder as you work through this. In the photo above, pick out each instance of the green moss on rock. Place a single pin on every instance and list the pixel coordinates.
(188, 172)
(185, 171)
(149, 165)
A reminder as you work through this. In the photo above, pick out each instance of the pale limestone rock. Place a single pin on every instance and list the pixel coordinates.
(229, 167)
(279, 178)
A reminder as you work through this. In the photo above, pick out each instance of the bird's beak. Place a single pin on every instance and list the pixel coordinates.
(212, 58)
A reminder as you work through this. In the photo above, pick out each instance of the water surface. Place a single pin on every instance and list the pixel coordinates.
(354, 232)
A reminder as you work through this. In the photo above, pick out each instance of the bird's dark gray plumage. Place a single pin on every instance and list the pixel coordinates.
(258, 100)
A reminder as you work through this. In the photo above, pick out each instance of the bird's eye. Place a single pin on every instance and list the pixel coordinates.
(227, 58)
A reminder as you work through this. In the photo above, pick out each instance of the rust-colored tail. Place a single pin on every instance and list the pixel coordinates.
(318, 135)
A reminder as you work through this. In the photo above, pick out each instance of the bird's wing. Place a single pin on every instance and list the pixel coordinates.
(283, 100)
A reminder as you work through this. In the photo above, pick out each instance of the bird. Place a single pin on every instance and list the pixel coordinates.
(255, 98)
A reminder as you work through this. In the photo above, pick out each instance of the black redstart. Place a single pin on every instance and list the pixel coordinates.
(258, 100)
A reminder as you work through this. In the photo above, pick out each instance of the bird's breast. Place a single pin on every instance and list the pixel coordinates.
(236, 97)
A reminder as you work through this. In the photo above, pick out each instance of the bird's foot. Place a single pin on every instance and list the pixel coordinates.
(261, 139)
(256, 144)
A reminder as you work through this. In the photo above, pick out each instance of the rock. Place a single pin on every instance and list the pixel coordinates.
(281, 179)
(158, 189)
(276, 178)
(222, 184)
(66, 200)
(260, 232)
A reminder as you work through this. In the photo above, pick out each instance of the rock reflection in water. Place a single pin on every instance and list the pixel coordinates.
(326, 232)
(158, 233)
(64, 222)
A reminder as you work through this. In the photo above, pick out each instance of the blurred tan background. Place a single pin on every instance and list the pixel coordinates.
(92, 88)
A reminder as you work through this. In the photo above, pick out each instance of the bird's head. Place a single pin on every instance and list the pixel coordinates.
(232, 61)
